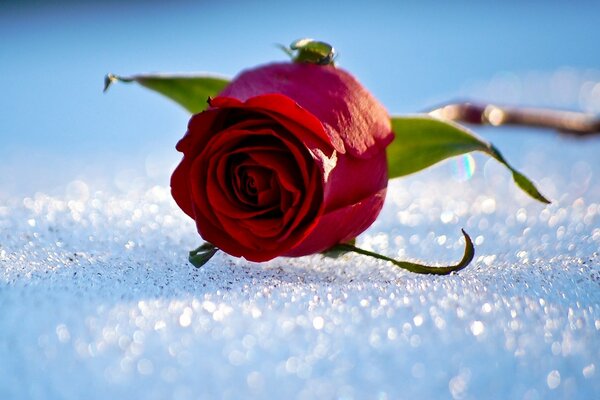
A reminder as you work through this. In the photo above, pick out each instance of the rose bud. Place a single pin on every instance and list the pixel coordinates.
(288, 160)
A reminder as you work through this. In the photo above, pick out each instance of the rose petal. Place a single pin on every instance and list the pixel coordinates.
(349, 171)
(202, 126)
(355, 121)
(340, 226)
(308, 129)
(308, 214)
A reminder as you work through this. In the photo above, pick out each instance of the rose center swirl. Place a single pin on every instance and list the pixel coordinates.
(254, 185)
(263, 177)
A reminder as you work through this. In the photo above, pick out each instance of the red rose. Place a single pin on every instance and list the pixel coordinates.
(289, 160)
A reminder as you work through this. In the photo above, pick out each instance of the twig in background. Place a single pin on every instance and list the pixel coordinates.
(567, 122)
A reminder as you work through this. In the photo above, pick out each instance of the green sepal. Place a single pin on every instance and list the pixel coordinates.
(415, 267)
(189, 91)
(289, 52)
(202, 254)
(422, 141)
(311, 51)
(336, 251)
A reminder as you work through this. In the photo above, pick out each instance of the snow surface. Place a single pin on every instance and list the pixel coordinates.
(97, 299)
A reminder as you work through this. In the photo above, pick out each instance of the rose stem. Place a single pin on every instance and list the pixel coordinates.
(567, 122)
(414, 267)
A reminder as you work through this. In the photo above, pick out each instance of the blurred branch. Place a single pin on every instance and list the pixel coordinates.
(567, 122)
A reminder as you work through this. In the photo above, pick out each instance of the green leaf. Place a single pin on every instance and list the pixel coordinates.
(422, 141)
(189, 91)
(414, 267)
(202, 254)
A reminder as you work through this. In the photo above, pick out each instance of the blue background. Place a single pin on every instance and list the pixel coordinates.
(56, 125)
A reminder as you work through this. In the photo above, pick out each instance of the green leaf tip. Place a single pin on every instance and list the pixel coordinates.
(202, 254)
(423, 140)
(311, 51)
(468, 255)
(189, 91)
(521, 180)
(109, 79)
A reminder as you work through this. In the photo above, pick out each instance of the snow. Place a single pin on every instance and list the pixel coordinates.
(97, 299)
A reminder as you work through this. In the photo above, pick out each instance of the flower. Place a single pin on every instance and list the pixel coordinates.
(288, 160)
